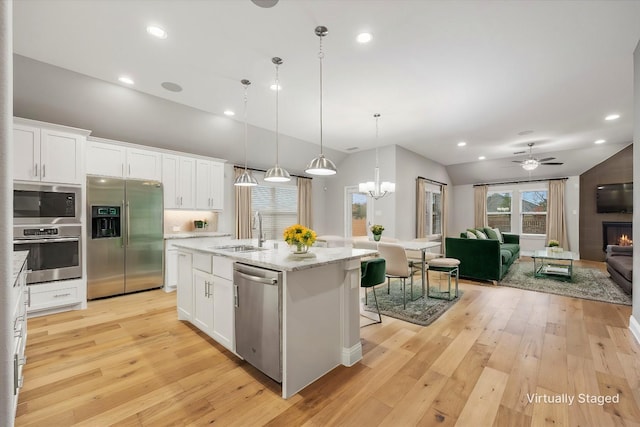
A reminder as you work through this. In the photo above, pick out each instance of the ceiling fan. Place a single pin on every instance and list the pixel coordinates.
(532, 163)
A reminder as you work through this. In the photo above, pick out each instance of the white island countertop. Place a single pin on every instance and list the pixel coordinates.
(279, 258)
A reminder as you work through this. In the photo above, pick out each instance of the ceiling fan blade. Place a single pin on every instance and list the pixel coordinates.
(517, 161)
(552, 163)
(546, 159)
(519, 152)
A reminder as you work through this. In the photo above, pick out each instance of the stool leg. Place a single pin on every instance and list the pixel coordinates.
(365, 296)
(426, 272)
(412, 287)
(404, 293)
(388, 285)
(377, 308)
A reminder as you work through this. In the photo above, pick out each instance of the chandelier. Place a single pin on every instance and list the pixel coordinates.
(277, 173)
(377, 189)
(246, 179)
(530, 164)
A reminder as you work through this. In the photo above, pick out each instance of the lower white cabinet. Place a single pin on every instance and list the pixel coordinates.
(51, 297)
(205, 295)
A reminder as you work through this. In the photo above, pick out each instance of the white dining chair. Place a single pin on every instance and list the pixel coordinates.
(397, 267)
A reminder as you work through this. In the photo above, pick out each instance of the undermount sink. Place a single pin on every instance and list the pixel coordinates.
(238, 248)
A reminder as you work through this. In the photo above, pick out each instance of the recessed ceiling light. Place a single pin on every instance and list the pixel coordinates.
(275, 87)
(599, 141)
(364, 37)
(612, 117)
(481, 158)
(126, 80)
(229, 113)
(157, 32)
(461, 144)
(171, 86)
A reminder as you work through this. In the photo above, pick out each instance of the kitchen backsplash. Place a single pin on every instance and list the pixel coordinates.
(181, 221)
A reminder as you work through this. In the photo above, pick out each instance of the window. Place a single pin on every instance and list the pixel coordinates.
(433, 209)
(278, 205)
(533, 212)
(499, 210)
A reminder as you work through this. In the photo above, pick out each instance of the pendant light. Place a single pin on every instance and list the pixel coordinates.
(276, 173)
(246, 179)
(375, 188)
(321, 165)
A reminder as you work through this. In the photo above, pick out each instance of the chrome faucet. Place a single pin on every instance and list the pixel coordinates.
(261, 238)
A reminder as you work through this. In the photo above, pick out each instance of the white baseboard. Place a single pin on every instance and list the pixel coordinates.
(634, 326)
(351, 356)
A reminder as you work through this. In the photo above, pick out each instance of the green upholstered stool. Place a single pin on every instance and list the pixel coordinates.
(372, 274)
(448, 266)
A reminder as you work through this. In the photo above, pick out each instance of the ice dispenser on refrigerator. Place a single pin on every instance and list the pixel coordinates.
(105, 222)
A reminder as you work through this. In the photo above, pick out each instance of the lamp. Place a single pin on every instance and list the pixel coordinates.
(375, 188)
(276, 173)
(321, 165)
(530, 164)
(245, 179)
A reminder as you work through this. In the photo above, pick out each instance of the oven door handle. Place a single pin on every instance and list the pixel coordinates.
(56, 240)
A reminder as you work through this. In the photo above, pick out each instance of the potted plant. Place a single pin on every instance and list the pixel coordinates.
(376, 230)
(299, 237)
(554, 246)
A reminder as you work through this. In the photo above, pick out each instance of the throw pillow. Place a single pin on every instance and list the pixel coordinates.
(481, 235)
(499, 234)
(491, 234)
(471, 235)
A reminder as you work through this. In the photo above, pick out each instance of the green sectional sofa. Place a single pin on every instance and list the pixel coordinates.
(483, 259)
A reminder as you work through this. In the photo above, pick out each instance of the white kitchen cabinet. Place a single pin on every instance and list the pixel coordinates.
(179, 181)
(223, 302)
(185, 286)
(203, 301)
(118, 161)
(18, 303)
(52, 297)
(209, 185)
(48, 155)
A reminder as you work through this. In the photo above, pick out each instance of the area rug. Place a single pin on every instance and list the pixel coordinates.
(422, 311)
(587, 283)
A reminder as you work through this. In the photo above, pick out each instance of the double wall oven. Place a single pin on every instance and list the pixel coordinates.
(46, 222)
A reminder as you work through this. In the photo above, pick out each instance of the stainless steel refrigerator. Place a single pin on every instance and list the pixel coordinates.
(124, 236)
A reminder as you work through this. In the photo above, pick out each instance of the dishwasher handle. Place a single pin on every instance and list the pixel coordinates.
(264, 280)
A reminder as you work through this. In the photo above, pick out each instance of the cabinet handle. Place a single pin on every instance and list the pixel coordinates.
(235, 296)
(122, 169)
(62, 295)
(36, 169)
(44, 171)
(28, 301)
(180, 200)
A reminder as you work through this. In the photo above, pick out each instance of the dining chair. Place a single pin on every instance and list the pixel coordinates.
(397, 267)
(372, 274)
(365, 244)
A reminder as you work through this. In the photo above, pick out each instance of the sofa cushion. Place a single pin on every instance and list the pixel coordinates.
(623, 265)
(481, 235)
(511, 247)
(506, 256)
(471, 235)
(491, 233)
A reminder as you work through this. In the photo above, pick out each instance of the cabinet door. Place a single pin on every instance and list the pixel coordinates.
(203, 185)
(143, 164)
(223, 312)
(105, 159)
(203, 301)
(187, 182)
(217, 186)
(185, 286)
(61, 157)
(170, 166)
(170, 270)
(26, 153)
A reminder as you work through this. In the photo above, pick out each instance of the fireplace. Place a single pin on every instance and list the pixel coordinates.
(616, 233)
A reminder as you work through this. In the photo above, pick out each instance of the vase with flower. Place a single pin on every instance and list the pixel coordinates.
(299, 238)
(554, 246)
(376, 230)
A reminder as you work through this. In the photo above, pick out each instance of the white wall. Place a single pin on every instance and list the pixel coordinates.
(463, 216)
(409, 166)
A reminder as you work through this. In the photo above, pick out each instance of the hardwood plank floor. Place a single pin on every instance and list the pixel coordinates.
(493, 359)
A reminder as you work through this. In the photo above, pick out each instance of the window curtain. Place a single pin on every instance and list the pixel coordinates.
(556, 221)
(480, 202)
(305, 213)
(444, 192)
(421, 219)
(243, 208)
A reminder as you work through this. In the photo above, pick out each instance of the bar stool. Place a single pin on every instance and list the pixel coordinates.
(444, 265)
(372, 274)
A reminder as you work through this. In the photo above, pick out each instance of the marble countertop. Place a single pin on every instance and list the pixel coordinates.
(192, 234)
(19, 258)
(278, 256)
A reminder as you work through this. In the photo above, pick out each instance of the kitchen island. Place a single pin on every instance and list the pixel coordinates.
(319, 302)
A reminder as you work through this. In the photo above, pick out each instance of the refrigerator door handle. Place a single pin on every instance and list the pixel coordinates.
(122, 226)
(128, 225)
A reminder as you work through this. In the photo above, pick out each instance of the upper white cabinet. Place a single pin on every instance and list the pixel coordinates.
(179, 181)
(48, 155)
(118, 161)
(209, 185)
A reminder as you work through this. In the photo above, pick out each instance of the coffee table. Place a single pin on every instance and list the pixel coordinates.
(553, 264)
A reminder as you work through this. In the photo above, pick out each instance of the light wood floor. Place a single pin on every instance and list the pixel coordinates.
(129, 361)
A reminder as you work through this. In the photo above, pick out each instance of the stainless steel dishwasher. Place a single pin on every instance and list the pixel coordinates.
(259, 317)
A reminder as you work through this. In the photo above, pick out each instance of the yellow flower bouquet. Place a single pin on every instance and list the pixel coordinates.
(299, 236)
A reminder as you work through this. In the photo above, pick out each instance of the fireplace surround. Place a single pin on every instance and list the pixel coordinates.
(616, 233)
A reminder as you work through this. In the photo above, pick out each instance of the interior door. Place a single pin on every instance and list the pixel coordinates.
(358, 212)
